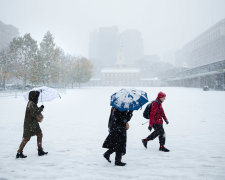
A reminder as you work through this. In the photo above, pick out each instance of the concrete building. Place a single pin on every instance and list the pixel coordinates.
(121, 74)
(115, 57)
(133, 47)
(208, 47)
(120, 77)
(105, 44)
(211, 75)
(103, 48)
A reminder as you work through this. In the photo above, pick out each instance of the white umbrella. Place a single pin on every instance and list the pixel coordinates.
(46, 94)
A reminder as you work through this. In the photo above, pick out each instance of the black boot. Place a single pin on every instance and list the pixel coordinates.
(162, 148)
(118, 160)
(120, 164)
(41, 152)
(20, 155)
(144, 141)
(107, 156)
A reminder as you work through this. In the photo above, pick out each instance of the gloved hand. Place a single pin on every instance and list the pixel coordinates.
(167, 122)
(42, 106)
(130, 113)
(149, 128)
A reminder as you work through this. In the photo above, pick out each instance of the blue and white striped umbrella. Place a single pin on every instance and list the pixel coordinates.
(129, 99)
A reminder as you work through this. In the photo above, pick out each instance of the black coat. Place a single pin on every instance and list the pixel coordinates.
(117, 138)
(31, 126)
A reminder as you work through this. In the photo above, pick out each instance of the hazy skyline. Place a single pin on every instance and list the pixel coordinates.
(166, 25)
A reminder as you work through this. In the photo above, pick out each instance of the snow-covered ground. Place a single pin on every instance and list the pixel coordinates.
(75, 127)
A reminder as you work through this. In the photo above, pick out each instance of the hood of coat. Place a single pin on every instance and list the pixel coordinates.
(33, 96)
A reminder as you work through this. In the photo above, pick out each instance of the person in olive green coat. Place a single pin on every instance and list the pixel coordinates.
(31, 125)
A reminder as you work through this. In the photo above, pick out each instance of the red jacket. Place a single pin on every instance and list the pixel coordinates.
(157, 114)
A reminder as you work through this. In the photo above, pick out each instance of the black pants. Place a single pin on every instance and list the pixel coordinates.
(158, 131)
(118, 157)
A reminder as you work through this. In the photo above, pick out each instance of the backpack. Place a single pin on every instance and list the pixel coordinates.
(147, 111)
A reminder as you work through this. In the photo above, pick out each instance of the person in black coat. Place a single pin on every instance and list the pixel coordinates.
(117, 138)
(31, 126)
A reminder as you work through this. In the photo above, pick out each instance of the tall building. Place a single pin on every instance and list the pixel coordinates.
(103, 47)
(208, 47)
(105, 44)
(120, 75)
(133, 47)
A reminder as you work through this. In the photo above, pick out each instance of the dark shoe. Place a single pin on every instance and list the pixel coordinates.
(41, 152)
(20, 155)
(120, 164)
(144, 143)
(105, 155)
(162, 148)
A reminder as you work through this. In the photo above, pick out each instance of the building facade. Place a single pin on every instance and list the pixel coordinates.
(120, 77)
(132, 46)
(208, 47)
(105, 46)
(211, 75)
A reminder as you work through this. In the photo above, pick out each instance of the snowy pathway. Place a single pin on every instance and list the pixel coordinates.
(75, 127)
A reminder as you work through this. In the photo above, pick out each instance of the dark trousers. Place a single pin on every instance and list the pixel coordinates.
(118, 157)
(158, 131)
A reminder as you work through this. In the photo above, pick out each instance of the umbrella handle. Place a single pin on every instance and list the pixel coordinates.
(144, 123)
(41, 97)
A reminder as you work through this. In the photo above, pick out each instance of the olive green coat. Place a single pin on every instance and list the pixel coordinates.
(31, 126)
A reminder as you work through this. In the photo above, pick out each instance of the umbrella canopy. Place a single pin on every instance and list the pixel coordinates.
(46, 94)
(129, 99)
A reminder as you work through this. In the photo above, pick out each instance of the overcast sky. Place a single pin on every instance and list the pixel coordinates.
(166, 25)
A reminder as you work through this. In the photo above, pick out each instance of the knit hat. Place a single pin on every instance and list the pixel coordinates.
(161, 95)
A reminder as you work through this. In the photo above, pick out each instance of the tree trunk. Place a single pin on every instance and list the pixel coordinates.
(24, 82)
(4, 82)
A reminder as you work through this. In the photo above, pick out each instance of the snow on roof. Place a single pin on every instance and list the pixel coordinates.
(150, 79)
(197, 75)
(95, 79)
(120, 70)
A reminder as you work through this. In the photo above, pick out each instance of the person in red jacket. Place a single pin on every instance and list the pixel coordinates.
(157, 116)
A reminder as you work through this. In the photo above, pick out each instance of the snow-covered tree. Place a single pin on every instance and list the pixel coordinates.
(46, 65)
(45, 57)
(24, 53)
(56, 66)
(5, 66)
(49, 57)
(65, 69)
(81, 71)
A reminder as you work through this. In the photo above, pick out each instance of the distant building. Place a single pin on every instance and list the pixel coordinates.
(117, 58)
(211, 75)
(120, 77)
(105, 43)
(133, 46)
(103, 47)
(208, 47)
(121, 74)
